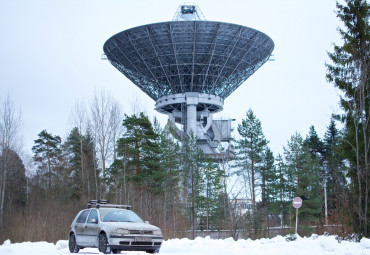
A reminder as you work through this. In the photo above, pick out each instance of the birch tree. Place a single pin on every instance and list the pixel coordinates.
(106, 125)
(10, 139)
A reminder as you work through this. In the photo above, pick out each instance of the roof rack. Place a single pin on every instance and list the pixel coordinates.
(105, 203)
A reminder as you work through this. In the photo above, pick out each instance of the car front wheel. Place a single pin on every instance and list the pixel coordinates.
(103, 244)
(73, 248)
(152, 251)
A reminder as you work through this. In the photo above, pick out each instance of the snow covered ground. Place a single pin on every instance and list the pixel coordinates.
(315, 245)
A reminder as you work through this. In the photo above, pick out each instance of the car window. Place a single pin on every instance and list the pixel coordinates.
(93, 216)
(119, 216)
(83, 216)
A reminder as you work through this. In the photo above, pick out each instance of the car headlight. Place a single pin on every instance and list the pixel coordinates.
(157, 232)
(121, 231)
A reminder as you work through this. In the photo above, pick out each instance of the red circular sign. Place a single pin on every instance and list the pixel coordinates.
(297, 202)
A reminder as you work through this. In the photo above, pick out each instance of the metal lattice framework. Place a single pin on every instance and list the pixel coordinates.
(188, 56)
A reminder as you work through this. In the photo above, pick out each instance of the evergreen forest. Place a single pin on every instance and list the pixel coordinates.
(248, 193)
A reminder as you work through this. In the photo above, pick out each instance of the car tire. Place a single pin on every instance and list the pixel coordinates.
(73, 248)
(103, 244)
(152, 251)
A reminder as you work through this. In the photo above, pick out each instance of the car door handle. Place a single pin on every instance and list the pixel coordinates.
(85, 226)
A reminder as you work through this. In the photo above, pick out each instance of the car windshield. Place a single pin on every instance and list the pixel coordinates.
(109, 215)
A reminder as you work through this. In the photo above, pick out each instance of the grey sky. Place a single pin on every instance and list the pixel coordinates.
(50, 58)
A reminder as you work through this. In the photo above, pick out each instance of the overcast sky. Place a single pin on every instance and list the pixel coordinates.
(51, 58)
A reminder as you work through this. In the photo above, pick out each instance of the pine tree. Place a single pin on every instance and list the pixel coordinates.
(192, 181)
(79, 150)
(294, 160)
(293, 154)
(310, 188)
(140, 147)
(334, 172)
(313, 143)
(267, 179)
(212, 187)
(251, 147)
(303, 175)
(170, 164)
(267, 175)
(72, 146)
(349, 72)
(280, 195)
(315, 147)
(47, 152)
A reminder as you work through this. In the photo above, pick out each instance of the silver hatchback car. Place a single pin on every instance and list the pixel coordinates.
(112, 228)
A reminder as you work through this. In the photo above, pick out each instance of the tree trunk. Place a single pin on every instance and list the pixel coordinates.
(3, 184)
(207, 208)
(96, 178)
(49, 167)
(82, 167)
(253, 195)
(192, 204)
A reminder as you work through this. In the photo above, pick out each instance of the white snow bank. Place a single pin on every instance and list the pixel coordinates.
(61, 244)
(365, 243)
(27, 248)
(315, 245)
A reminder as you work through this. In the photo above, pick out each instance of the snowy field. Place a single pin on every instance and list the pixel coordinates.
(315, 245)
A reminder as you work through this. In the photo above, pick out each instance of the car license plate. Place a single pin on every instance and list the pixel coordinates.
(143, 239)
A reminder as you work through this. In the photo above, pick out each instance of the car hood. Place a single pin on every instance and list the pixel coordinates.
(131, 225)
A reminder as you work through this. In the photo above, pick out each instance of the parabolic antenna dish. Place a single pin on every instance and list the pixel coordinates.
(188, 56)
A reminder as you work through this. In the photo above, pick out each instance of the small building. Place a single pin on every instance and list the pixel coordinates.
(242, 205)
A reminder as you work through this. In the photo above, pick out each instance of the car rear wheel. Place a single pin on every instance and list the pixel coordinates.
(103, 244)
(73, 248)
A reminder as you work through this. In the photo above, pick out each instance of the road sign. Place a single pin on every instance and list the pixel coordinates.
(297, 202)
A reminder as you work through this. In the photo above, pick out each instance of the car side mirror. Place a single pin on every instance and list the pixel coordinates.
(146, 222)
(93, 221)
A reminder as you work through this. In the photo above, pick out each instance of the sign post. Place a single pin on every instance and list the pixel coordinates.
(297, 203)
